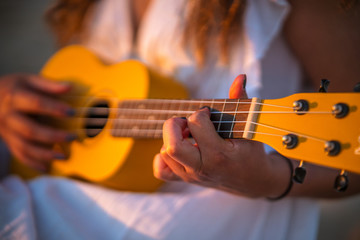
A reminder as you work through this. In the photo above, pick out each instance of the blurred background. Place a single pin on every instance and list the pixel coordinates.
(26, 44)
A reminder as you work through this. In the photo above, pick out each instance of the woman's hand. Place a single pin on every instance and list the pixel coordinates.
(31, 142)
(236, 165)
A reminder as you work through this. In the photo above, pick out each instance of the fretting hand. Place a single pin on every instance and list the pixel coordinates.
(235, 165)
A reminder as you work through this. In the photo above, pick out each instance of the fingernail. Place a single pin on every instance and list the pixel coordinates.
(244, 82)
(70, 112)
(70, 137)
(59, 156)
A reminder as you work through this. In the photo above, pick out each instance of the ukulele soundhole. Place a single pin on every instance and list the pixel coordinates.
(96, 118)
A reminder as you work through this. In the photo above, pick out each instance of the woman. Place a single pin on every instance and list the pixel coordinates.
(151, 30)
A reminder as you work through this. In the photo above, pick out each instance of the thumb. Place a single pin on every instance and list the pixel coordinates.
(237, 89)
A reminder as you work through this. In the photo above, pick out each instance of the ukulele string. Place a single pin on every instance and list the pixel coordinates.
(122, 112)
(154, 132)
(181, 101)
(137, 129)
(103, 110)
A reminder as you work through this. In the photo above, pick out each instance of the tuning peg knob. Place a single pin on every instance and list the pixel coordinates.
(340, 110)
(299, 173)
(301, 106)
(324, 84)
(332, 148)
(341, 182)
(290, 141)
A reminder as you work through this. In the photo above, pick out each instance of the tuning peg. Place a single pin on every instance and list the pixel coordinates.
(357, 87)
(341, 182)
(290, 141)
(299, 173)
(324, 84)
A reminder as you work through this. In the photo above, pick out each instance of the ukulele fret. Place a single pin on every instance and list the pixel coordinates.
(226, 119)
(221, 117)
(157, 126)
(234, 119)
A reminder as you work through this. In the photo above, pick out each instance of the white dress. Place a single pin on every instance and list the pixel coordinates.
(55, 208)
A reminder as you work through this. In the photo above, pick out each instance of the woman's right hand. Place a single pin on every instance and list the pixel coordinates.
(28, 140)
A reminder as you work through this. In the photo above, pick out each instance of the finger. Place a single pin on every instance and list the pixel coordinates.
(174, 165)
(46, 86)
(30, 102)
(33, 131)
(39, 153)
(23, 158)
(162, 171)
(173, 128)
(203, 131)
(176, 146)
(237, 89)
(21, 155)
(171, 163)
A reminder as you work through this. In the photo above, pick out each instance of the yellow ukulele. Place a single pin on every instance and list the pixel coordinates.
(121, 109)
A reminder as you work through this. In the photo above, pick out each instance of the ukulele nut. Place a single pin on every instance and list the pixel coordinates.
(290, 141)
(301, 106)
(332, 148)
(340, 110)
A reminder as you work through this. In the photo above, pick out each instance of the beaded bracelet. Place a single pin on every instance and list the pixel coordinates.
(288, 189)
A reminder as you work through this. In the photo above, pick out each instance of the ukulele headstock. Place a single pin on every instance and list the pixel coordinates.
(315, 127)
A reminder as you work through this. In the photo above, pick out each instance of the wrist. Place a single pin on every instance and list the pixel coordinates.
(281, 176)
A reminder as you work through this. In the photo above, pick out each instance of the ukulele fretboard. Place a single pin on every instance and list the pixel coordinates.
(145, 118)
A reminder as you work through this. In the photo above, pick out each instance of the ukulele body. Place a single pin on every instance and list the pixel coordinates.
(122, 163)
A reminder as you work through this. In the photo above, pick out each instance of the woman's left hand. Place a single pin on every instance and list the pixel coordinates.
(235, 165)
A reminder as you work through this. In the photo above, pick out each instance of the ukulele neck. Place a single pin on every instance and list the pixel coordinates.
(145, 118)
